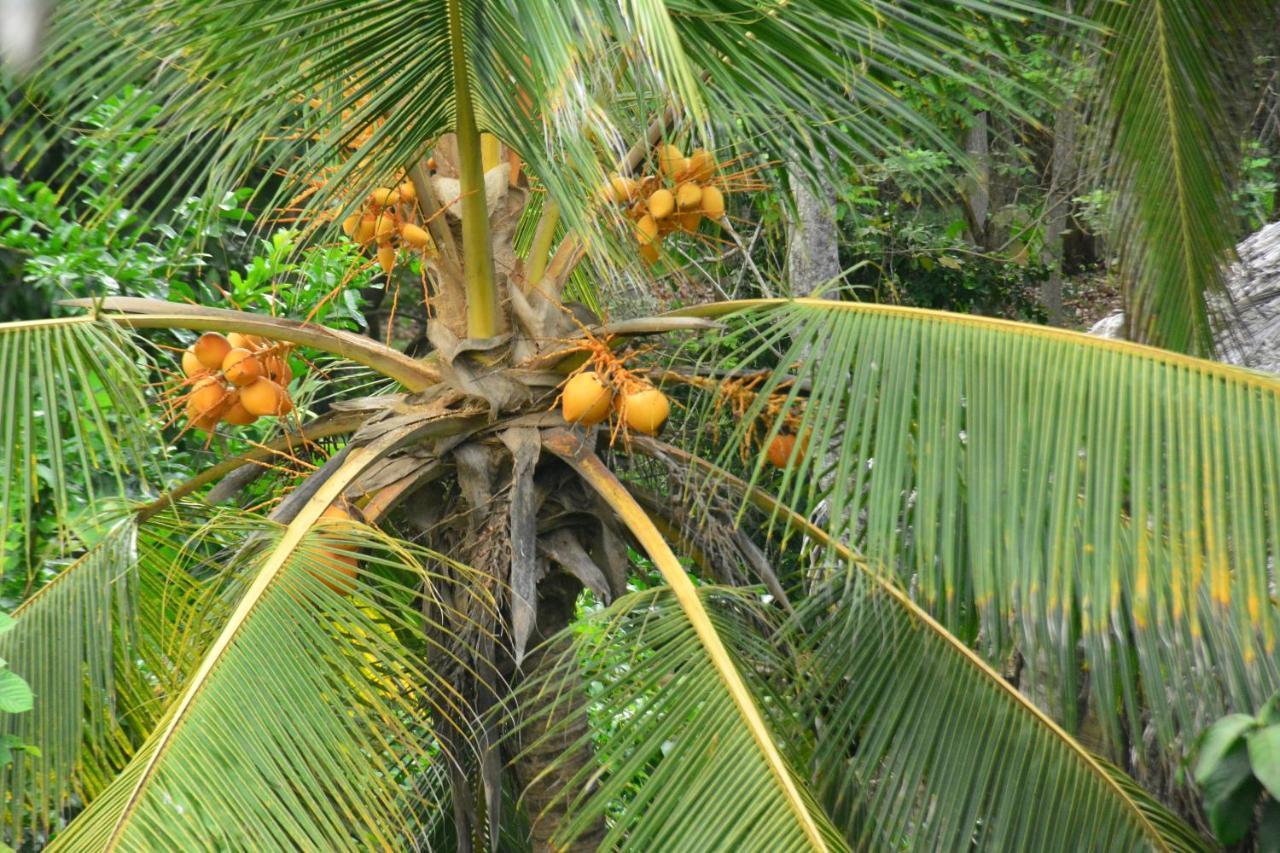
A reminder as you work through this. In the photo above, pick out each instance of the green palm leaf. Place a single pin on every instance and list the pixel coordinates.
(309, 720)
(103, 644)
(72, 398)
(1047, 492)
(1163, 94)
(678, 769)
(357, 92)
(918, 743)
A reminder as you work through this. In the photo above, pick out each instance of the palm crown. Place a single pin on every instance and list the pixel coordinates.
(391, 657)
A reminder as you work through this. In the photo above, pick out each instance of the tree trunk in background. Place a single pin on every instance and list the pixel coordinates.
(1061, 183)
(977, 186)
(813, 251)
(1062, 178)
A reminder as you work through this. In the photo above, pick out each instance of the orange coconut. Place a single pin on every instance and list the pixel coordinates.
(585, 400)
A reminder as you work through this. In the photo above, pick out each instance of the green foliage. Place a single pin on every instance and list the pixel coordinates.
(16, 697)
(1238, 772)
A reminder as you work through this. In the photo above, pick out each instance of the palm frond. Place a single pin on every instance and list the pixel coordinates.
(103, 644)
(1083, 502)
(960, 762)
(310, 720)
(283, 95)
(924, 776)
(1163, 92)
(678, 770)
(72, 396)
(798, 822)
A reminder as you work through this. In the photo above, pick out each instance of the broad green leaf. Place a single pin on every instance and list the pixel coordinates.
(15, 693)
(1269, 827)
(1231, 816)
(1264, 757)
(1229, 775)
(1218, 740)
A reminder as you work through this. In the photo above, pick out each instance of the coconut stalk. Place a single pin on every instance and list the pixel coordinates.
(483, 320)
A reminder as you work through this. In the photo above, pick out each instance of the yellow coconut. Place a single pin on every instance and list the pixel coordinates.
(688, 221)
(192, 366)
(415, 236)
(241, 341)
(671, 160)
(701, 166)
(689, 196)
(661, 204)
(241, 367)
(350, 224)
(211, 348)
(384, 197)
(585, 400)
(646, 411)
(238, 414)
(712, 203)
(365, 232)
(646, 230)
(263, 397)
(208, 398)
(386, 257)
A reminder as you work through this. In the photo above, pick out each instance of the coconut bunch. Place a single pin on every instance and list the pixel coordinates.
(590, 397)
(385, 219)
(675, 197)
(235, 378)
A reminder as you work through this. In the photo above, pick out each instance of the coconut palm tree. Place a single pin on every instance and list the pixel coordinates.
(1011, 571)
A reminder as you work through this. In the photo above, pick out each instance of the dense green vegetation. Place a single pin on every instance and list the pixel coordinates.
(889, 578)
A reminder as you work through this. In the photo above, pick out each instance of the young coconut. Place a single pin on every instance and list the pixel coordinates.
(264, 397)
(365, 231)
(208, 400)
(781, 448)
(384, 197)
(237, 415)
(241, 367)
(350, 224)
(211, 348)
(646, 231)
(278, 370)
(688, 197)
(701, 166)
(620, 188)
(386, 257)
(241, 341)
(712, 203)
(192, 366)
(671, 161)
(646, 410)
(384, 228)
(415, 236)
(661, 204)
(407, 191)
(586, 400)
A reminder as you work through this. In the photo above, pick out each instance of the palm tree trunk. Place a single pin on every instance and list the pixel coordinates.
(556, 749)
